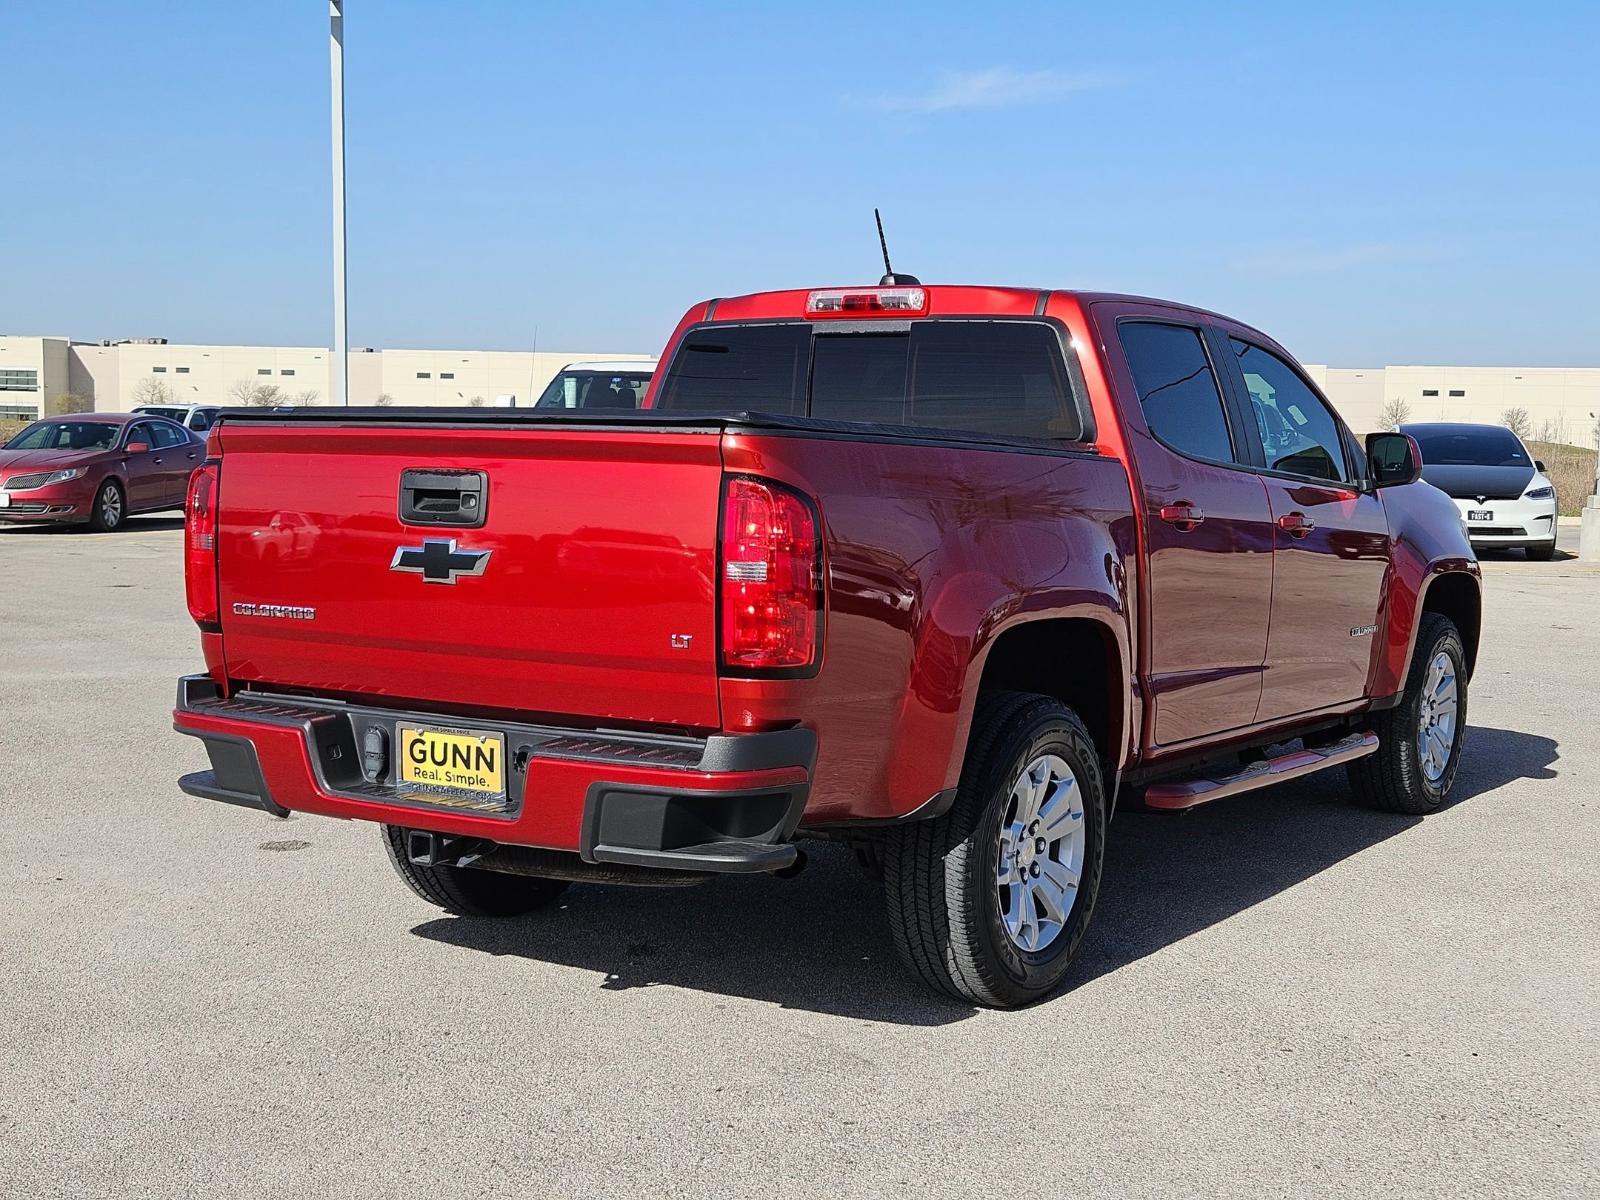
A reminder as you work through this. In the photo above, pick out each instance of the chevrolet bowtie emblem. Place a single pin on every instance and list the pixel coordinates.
(438, 560)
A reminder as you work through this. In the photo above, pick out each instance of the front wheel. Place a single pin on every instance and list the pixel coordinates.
(108, 509)
(1541, 552)
(989, 903)
(1419, 739)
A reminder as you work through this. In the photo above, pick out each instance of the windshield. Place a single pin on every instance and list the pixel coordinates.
(595, 389)
(172, 414)
(1482, 447)
(997, 377)
(65, 435)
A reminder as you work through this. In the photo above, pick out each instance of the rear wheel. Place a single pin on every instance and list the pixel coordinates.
(468, 892)
(1419, 740)
(989, 903)
(109, 507)
(1542, 552)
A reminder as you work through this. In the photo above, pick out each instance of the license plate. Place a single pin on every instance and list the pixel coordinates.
(5, 499)
(1480, 514)
(453, 758)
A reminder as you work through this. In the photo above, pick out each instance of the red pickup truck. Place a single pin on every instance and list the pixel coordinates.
(944, 572)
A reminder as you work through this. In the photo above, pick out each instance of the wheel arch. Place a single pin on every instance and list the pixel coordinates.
(1458, 596)
(1080, 661)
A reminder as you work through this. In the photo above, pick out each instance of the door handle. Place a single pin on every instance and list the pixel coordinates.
(156, 460)
(1296, 524)
(1182, 517)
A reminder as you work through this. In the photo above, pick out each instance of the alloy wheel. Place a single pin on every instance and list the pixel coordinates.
(1436, 717)
(1042, 841)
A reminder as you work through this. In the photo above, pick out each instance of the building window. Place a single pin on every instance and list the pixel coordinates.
(289, 371)
(424, 375)
(1430, 391)
(263, 370)
(182, 370)
(1457, 392)
(19, 379)
(447, 374)
(158, 370)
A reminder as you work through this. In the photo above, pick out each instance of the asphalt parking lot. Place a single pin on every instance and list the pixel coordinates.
(1282, 995)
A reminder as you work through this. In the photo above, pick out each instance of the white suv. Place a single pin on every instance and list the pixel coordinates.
(197, 417)
(619, 384)
(1502, 491)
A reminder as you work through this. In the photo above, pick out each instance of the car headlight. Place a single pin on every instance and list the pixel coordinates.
(1539, 493)
(64, 476)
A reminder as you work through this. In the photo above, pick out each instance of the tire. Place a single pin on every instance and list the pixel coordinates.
(1397, 778)
(1542, 552)
(466, 892)
(942, 878)
(110, 508)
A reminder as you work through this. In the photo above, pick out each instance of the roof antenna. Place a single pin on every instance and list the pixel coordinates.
(890, 279)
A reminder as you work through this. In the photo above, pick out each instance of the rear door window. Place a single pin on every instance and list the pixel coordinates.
(1178, 389)
(168, 435)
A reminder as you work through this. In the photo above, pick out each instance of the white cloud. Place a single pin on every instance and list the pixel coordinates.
(998, 87)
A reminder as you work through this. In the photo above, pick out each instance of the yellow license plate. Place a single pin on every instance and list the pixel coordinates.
(453, 758)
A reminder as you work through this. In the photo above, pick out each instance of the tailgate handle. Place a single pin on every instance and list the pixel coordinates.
(441, 496)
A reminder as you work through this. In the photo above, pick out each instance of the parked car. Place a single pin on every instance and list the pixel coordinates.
(1502, 491)
(618, 384)
(198, 417)
(95, 469)
(945, 572)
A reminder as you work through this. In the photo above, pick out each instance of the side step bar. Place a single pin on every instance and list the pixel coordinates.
(1177, 795)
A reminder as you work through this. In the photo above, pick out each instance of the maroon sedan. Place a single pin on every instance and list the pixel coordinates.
(95, 469)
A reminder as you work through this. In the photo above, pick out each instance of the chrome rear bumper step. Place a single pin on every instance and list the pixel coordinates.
(1177, 795)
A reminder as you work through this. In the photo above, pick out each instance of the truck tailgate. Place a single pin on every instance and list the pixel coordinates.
(596, 600)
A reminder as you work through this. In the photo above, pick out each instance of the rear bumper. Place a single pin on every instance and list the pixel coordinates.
(728, 803)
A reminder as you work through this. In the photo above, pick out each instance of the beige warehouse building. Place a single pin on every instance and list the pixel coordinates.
(35, 372)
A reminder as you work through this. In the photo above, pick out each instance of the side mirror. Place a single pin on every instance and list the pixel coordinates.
(1393, 458)
(138, 447)
(1538, 465)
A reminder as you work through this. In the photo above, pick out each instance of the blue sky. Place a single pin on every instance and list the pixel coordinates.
(1371, 183)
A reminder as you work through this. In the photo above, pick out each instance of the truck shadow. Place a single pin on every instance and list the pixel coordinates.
(819, 942)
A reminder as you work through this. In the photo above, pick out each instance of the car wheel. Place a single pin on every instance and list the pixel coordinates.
(1542, 552)
(467, 892)
(989, 903)
(110, 506)
(1420, 739)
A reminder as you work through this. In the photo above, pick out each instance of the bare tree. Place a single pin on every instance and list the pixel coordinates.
(306, 398)
(475, 402)
(1554, 429)
(1395, 413)
(254, 394)
(71, 402)
(384, 400)
(151, 390)
(1518, 421)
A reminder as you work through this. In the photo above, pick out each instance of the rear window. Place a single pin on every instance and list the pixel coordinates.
(740, 368)
(997, 377)
(1485, 447)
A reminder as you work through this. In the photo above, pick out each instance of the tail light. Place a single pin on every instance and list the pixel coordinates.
(200, 544)
(771, 579)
